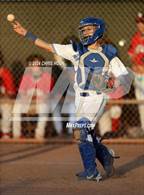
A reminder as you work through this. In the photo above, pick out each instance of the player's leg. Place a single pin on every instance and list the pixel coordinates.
(42, 110)
(139, 93)
(105, 123)
(87, 150)
(104, 155)
(71, 117)
(93, 107)
(85, 109)
(6, 112)
(16, 123)
(57, 118)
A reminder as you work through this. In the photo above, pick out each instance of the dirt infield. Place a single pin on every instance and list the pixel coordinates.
(45, 169)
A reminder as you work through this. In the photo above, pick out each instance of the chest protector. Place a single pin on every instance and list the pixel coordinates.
(94, 67)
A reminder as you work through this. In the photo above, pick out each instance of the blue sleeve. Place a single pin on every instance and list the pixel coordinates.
(110, 51)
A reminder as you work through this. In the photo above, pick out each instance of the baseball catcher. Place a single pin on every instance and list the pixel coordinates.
(99, 74)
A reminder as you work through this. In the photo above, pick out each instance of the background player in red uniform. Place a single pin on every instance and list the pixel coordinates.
(136, 53)
(36, 83)
(7, 92)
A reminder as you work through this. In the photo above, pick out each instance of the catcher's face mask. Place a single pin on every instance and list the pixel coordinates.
(87, 32)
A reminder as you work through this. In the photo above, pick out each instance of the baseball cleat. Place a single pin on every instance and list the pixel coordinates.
(96, 178)
(83, 176)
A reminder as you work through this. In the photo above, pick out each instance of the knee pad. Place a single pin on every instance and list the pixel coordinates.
(81, 132)
(80, 135)
(84, 123)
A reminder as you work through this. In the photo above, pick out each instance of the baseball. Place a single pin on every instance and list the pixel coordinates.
(10, 17)
(122, 42)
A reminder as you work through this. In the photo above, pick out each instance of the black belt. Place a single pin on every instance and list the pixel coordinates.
(85, 94)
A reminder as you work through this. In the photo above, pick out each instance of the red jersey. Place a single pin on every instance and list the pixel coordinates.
(6, 82)
(136, 49)
(43, 84)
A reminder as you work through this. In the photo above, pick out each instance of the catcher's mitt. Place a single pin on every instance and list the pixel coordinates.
(105, 83)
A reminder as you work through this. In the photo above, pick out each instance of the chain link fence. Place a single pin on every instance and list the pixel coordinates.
(57, 20)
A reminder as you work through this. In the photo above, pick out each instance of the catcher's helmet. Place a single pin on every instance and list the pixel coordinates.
(98, 33)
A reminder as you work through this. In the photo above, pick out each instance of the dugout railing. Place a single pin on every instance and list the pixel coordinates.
(130, 119)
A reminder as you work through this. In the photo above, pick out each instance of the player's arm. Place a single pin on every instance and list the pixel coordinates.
(19, 29)
(123, 78)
